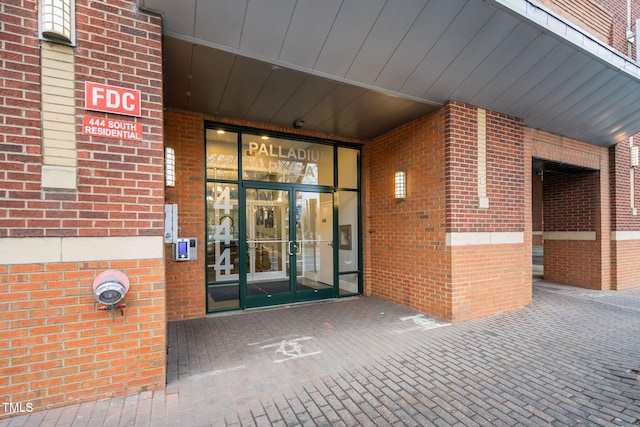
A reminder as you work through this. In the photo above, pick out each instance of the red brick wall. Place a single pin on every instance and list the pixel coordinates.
(570, 205)
(575, 202)
(625, 253)
(408, 260)
(120, 189)
(505, 171)
(622, 218)
(490, 279)
(569, 201)
(536, 208)
(496, 278)
(20, 156)
(186, 281)
(56, 348)
(573, 262)
(406, 257)
(624, 265)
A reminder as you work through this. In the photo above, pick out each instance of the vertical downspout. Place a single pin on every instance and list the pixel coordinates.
(629, 43)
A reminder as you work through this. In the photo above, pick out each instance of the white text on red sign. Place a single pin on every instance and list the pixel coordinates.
(111, 128)
(112, 99)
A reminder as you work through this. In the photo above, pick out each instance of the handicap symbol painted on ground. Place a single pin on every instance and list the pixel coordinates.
(422, 323)
(290, 349)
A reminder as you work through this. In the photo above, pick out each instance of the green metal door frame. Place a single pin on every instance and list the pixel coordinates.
(293, 295)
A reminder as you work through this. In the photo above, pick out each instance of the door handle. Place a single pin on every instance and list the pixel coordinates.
(296, 249)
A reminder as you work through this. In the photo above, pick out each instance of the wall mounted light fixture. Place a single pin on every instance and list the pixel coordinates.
(401, 185)
(169, 167)
(57, 21)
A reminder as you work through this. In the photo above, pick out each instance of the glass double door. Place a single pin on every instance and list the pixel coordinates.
(288, 242)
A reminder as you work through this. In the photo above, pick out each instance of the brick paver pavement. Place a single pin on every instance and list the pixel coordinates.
(570, 358)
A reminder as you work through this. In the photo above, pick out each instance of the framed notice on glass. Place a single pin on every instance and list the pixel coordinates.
(345, 237)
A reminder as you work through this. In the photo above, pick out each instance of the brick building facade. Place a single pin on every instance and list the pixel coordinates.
(73, 206)
(484, 186)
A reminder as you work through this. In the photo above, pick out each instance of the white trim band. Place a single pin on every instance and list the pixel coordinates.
(569, 235)
(35, 250)
(484, 238)
(625, 235)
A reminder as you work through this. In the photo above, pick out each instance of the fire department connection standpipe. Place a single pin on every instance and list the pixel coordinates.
(109, 288)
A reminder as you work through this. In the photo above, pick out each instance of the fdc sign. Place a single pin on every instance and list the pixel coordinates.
(112, 99)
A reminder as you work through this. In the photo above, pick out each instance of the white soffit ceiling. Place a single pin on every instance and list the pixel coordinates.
(359, 68)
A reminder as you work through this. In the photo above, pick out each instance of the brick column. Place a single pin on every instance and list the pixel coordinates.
(74, 205)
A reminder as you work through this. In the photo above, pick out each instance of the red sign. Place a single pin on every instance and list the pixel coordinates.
(112, 99)
(111, 128)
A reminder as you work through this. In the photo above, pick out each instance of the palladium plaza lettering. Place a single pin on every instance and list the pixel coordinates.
(284, 153)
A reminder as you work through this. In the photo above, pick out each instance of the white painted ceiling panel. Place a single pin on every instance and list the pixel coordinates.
(275, 93)
(597, 113)
(456, 37)
(325, 114)
(220, 21)
(180, 22)
(388, 115)
(243, 86)
(426, 31)
(306, 37)
(505, 53)
(618, 128)
(479, 47)
(592, 92)
(581, 114)
(297, 106)
(361, 67)
(538, 78)
(562, 98)
(516, 78)
(390, 28)
(176, 73)
(265, 27)
(582, 72)
(349, 31)
(609, 119)
(348, 117)
(208, 65)
(549, 89)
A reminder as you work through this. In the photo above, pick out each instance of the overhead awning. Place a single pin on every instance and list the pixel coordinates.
(358, 68)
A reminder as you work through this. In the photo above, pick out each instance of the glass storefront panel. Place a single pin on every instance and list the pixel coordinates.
(284, 160)
(267, 241)
(348, 167)
(348, 231)
(280, 197)
(223, 249)
(314, 237)
(222, 154)
(349, 284)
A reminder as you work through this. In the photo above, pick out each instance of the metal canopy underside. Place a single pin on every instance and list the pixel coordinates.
(358, 68)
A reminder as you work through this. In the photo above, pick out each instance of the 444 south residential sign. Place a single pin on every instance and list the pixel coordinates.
(111, 128)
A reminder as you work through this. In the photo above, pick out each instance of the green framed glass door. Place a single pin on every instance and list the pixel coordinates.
(288, 245)
(314, 260)
(267, 242)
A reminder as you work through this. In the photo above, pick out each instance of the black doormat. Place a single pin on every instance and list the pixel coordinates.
(224, 293)
(227, 293)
